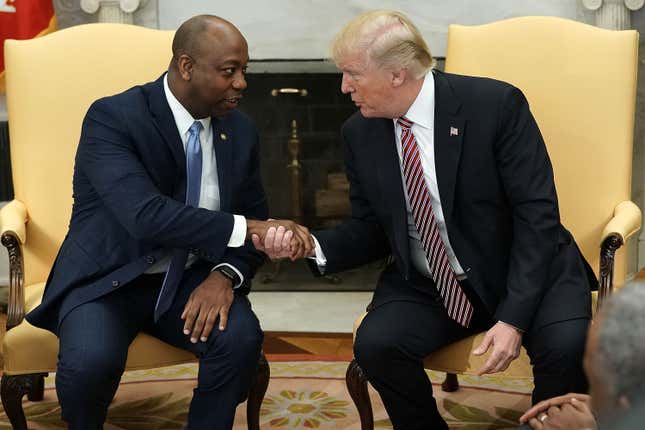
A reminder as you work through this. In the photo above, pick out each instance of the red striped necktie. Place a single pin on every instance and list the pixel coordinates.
(454, 300)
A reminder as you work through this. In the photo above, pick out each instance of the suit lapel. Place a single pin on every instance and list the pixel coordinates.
(223, 141)
(386, 160)
(448, 134)
(165, 123)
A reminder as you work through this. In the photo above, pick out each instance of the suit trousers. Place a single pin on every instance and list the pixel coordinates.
(396, 336)
(94, 340)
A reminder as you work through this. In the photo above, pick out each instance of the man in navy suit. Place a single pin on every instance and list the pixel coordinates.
(449, 176)
(166, 191)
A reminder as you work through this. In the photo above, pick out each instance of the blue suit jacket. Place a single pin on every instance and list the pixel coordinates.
(129, 188)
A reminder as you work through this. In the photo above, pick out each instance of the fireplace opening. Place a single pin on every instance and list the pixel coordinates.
(299, 116)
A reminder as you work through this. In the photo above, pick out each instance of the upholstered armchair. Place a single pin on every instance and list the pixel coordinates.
(51, 81)
(580, 82)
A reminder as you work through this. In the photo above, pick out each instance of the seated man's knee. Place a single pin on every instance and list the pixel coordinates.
(230, 357)
(374, 348)
(561, 346)
(240, 342)
(90, 368)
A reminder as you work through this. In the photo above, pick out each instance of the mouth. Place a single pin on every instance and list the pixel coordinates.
(233, 101)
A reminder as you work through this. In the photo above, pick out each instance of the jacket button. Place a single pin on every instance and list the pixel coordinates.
(115, 284)
(150, 259)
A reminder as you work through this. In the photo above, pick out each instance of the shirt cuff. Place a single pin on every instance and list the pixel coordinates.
(236, 271)
(238, 236)
(519, 330)
(320, 258)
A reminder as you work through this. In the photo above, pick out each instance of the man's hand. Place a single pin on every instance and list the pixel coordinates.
(506, 341)
(573, 415)
(210, 300)
(559, 401)
(281, 238)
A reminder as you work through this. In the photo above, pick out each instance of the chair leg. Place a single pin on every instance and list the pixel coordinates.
(450, 384)
(37, 390)
(357, 387)
(259, 384)
(12, 390)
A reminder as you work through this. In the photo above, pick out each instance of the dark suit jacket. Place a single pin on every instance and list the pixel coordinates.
(499, 202)
(129, 192)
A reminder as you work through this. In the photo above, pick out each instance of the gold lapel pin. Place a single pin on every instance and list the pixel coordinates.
(223, 136)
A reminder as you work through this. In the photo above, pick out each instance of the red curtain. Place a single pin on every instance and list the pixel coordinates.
(23, 19)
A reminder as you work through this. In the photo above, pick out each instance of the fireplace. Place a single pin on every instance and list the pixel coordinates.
(311, 188)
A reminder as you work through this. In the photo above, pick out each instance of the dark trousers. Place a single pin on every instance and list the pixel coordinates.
(94, 340)
(394, 337)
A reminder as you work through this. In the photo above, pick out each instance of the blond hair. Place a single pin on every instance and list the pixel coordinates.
(390, 40)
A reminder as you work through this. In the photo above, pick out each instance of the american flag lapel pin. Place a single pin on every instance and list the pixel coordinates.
(454, 131)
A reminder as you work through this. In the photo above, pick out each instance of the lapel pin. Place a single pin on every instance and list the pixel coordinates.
(454, 131)
(223, 136)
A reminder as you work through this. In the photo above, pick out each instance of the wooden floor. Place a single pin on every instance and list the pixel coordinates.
(308, 345)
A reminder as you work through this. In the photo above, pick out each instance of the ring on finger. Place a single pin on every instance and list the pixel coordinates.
(542, 417)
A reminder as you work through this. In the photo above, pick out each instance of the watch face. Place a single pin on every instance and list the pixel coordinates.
(229, 273)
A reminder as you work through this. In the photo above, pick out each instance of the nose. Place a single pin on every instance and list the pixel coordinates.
(345, 86)
(239, 83)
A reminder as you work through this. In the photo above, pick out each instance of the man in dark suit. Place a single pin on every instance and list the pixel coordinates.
(450, 176)
(166, 175)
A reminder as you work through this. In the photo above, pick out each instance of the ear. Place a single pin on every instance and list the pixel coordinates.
(185, 66)
(398, 77)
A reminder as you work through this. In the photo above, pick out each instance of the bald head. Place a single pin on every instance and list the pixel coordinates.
(208, 66)
(191, 36)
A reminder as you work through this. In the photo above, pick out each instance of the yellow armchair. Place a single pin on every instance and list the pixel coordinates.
(51, 81)
(580, 82)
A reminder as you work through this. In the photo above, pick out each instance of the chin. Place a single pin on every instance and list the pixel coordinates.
(220, 113)
(372, 114)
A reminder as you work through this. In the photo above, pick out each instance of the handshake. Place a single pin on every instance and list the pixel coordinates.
(280, 238)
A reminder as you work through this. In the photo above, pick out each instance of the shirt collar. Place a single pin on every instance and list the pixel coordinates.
(183, 118)
(422, 110)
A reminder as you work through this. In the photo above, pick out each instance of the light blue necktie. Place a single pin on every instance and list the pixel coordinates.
(180, 256)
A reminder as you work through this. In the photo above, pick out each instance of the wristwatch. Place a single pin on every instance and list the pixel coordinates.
(231, 274)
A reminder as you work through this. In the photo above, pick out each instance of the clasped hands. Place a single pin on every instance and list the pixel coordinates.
(281, 238)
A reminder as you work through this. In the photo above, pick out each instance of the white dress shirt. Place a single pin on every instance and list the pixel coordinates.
(421, 113)
(209, 197)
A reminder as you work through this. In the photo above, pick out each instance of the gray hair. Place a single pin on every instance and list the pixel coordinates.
(621, 343)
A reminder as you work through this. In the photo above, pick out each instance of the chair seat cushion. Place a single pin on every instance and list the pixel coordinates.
(458, 358)
(28, 349)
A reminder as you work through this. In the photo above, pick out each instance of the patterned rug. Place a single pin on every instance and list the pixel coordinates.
(301, 395)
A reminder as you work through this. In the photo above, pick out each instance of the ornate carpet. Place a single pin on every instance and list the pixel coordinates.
(301, 395)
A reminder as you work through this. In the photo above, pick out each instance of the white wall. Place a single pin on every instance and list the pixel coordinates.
(303, 28)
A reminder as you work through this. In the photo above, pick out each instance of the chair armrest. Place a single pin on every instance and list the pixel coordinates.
(625, 223)
(13, 234)
(13, 220)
